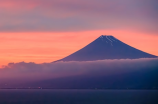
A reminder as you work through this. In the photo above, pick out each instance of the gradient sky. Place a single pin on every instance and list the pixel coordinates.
(47, 30)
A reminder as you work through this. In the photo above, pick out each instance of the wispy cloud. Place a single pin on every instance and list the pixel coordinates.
(70, 15)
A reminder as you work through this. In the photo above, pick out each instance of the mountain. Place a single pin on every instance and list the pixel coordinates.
(107, 47)
(100, 74)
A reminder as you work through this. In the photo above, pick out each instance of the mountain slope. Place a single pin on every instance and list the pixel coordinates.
(107, 47)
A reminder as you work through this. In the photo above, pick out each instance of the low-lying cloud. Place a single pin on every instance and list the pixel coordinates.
(34, 72)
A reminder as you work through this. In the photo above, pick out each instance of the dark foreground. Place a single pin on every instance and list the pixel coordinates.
(49, 96)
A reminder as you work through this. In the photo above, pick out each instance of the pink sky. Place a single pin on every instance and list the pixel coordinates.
(47, 30)
(48, 47)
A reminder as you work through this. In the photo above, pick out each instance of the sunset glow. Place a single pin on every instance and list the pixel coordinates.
(49, 47)
(45, 31)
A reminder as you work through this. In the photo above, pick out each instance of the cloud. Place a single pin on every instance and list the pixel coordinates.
(28, 72)
(80, 15)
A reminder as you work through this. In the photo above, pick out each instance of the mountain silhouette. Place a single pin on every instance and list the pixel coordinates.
(107, 47)
(104, 47)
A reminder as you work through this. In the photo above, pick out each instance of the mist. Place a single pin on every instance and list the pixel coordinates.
(22, 72)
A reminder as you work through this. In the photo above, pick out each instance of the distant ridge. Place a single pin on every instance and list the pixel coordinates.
(107, 47)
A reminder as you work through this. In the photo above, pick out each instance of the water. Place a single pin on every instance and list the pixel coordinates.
(49, 96)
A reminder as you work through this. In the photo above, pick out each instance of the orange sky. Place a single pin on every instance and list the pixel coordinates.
(42, 47)
(47, 30)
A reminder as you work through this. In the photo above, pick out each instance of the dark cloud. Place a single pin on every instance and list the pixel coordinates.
(29, 72)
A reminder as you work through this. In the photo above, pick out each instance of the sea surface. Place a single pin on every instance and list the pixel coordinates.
(52, 96)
